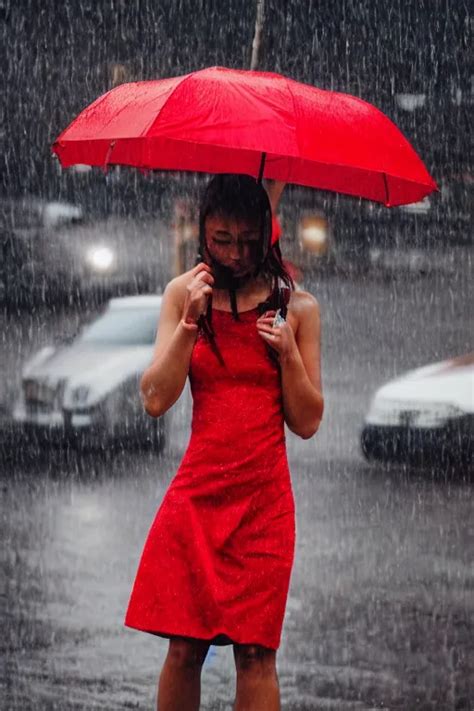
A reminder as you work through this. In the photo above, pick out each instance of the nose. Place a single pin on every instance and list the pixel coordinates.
(236, 252)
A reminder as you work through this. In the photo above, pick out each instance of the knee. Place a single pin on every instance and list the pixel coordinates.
(187, 654)
(255, 659)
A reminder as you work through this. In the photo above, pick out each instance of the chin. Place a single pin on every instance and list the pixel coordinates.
(243, 271)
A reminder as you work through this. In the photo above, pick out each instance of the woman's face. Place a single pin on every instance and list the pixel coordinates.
(232, 242)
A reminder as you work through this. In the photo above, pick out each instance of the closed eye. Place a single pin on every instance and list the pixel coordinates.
(228, 241)
(248, 237)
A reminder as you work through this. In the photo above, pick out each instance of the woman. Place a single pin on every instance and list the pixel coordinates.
(217, 561)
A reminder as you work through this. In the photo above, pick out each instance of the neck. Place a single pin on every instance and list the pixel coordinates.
(255, 290)
(244, 285)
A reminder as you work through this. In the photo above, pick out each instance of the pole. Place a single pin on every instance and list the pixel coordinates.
(257, 35)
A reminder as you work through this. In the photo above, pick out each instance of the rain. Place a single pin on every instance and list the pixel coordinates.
(380, 612)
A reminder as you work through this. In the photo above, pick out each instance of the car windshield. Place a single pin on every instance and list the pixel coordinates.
(123, 327)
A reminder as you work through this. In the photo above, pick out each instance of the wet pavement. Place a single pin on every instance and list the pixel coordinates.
(381, 605)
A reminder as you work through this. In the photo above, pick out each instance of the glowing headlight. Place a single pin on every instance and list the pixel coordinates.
(100, 258)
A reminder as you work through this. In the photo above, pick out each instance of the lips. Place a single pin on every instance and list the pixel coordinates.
(238, 268)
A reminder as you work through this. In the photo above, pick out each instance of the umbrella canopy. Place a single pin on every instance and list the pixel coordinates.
(220, 120)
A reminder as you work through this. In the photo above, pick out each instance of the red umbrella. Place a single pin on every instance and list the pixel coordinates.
(221, 120)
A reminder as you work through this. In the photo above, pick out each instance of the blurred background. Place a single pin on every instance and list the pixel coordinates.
(410, 59)
(380, 613)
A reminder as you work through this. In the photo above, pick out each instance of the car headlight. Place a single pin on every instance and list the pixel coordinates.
(101, 259)
(399, 413)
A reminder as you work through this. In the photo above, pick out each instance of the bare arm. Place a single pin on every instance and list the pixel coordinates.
(300, 361)
(274, 190)
(163, 381)
(303, 402)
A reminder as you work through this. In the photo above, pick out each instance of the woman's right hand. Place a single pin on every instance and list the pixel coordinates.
(198, 292)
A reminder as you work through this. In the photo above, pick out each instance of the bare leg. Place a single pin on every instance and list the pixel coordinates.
(257, 680)
(179, 687)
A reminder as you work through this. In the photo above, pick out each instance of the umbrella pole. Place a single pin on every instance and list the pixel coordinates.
(262, 167)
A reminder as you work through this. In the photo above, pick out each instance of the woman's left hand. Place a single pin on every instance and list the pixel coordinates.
(281, 338)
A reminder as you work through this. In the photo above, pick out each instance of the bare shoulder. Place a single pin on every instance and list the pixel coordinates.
(303, 305)
(304, 315)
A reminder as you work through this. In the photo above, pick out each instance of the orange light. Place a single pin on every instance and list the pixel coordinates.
(314, 234)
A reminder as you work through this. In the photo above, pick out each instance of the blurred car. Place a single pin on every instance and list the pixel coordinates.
(51, 252)
(117, 256)
(425, 416)
(87, 392)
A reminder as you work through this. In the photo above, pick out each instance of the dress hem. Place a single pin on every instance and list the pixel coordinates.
(220, 639)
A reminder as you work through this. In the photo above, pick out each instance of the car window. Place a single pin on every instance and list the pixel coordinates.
(123, 327)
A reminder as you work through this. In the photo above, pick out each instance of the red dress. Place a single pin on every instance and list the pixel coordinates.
(217, 561)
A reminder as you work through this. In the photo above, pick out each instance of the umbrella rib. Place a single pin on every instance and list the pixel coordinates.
(288, 84)
(94, 104)
(156, 118)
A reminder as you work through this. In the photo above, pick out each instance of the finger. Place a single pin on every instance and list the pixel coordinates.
(270, 337)
(202, 267)
(267, 315)
(269, 325)
(268, 329)
(205, 276)
(203, 273)
(266, 320)
(197, 294)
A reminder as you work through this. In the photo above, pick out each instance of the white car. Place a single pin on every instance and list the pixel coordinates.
(424, 416)
(88, 391)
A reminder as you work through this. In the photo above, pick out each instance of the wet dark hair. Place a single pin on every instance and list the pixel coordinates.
(240, 197)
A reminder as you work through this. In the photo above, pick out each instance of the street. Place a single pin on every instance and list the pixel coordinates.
(381, 608)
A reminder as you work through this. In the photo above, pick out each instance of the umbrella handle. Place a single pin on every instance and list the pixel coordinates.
(111, 147)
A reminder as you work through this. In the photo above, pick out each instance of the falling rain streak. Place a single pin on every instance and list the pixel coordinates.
(380, 613)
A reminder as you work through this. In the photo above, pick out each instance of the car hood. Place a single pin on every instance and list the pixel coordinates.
(99, 368)
(450, 382)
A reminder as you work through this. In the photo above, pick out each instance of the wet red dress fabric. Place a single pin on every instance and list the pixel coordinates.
(217, 561)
